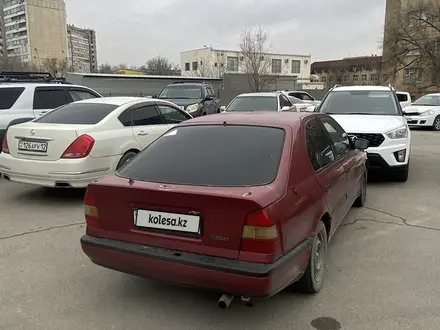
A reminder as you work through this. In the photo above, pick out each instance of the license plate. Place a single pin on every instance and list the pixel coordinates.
(167, 221)
(32, 146)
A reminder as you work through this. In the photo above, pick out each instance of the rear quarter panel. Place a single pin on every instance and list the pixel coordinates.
(300, 212)
(111, 139)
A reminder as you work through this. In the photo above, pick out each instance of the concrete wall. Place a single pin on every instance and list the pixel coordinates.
(47, 29)
(126, 85)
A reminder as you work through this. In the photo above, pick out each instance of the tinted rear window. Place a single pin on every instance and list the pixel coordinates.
(254, 103)
(402, 97)
(211, 155)
(8, 97)
(78, 113)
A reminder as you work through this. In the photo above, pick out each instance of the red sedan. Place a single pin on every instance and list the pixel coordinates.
(241, 203)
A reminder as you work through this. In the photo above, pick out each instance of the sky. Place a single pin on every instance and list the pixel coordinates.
(132, 31)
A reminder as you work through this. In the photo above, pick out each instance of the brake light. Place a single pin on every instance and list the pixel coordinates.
(79, 148)
(90, 210)
(260, 234)
(5, 146)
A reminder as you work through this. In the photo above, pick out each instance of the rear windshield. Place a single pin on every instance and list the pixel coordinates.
(8, 97)
(211, 155)
(360, 102)
(78, 113)
(254, 103)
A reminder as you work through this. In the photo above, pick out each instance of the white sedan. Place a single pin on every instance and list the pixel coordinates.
(80, 142)
(424, 112)
(259, 101)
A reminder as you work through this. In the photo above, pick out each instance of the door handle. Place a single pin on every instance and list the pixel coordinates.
(142, 133)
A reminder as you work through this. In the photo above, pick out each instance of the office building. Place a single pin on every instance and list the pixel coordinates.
(82, 49)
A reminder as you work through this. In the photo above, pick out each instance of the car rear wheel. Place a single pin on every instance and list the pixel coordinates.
(313, 278)
(436, 124)
(401, 175)
(360, 201)
(128, 156)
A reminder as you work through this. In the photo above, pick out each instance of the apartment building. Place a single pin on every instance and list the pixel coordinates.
(82, 49)
(361, 70)
(410, 45)
(213, 63)
(35, 30)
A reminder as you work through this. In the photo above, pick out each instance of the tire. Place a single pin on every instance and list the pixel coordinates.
(436, 124)
(360, 201)
(311, 282)
(401, 175)
(126, 158)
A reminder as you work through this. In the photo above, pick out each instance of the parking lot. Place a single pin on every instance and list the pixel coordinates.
(383, 272)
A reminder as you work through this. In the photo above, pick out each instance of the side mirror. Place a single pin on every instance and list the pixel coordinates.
(222, 108)
(285, 108)
(208, 98)
(154, 96)
(361, 144)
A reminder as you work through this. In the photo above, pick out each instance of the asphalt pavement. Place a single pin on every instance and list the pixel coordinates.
(383, 272)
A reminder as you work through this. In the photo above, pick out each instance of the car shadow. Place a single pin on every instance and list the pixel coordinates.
(37, 195)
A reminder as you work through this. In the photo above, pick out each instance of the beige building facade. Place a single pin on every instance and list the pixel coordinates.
(35, 30)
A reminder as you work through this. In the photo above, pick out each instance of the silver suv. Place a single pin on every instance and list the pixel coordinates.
(27, 95)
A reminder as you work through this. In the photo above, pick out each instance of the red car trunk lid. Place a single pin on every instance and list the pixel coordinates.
(186, 218)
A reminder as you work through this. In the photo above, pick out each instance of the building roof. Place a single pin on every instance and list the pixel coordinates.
(260, 118)
(369, 62)
(239, 51)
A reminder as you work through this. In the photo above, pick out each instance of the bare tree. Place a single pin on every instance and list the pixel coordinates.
(55, 66)
(105, 68)
(14, 64)
(161, 66)
(413, 43)
(253, 47)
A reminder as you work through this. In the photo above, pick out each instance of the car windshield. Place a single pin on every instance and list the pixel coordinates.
(430, 100)
(360, 102)
(252, 156)
(78, 114)
(254, 103)
(181, 92)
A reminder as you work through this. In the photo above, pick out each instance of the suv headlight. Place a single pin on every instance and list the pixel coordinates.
(398, 133)
(192, 108)
(428, 113)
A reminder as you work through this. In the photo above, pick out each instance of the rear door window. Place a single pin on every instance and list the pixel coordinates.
(319, 148)
(81, 94)
(45, 98)
(402, 97)
(8, 97)
(78, 114)
(233, 156)
(146, 115)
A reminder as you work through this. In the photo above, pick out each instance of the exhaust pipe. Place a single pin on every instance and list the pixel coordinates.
(224, 301)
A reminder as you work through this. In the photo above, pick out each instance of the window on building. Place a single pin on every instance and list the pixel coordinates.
(187, 66)
(296, 66)
(323, 79)
(346, 78)
(412, 51)
(232, 63)
(355, 78)
(195, 66)
(364, 77)
(331, 79)
(412, 75)
(276, 66)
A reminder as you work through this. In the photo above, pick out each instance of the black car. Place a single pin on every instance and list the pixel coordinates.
(198, 99)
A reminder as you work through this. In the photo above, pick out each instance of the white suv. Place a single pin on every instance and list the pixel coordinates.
(373, 113)
(25, 96)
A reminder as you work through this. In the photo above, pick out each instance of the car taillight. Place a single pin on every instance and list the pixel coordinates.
(260, 234)
(5, 146)
(91, 211)
(79, 148)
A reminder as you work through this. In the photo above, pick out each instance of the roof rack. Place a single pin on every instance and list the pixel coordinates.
(44, 77)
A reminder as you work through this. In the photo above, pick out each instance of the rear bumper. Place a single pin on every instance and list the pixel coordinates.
(75, 173)
(220, 274)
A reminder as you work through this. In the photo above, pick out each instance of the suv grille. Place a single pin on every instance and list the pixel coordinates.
(375, 139)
